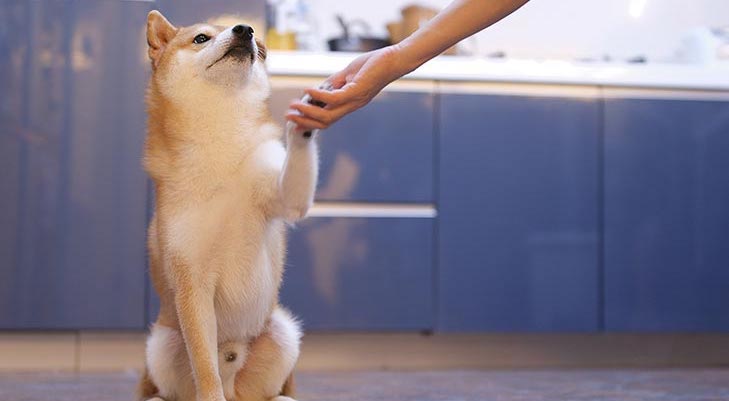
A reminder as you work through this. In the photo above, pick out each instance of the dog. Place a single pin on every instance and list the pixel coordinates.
(226, 186)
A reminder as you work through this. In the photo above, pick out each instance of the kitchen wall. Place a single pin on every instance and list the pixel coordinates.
(559, 28)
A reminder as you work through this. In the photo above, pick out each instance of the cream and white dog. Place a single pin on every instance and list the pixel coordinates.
(225, 186)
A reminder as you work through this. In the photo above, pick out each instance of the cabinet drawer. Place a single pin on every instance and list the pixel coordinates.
(361, 273)
(380, 153)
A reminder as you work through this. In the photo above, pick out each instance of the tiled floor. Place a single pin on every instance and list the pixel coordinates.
(496, 385)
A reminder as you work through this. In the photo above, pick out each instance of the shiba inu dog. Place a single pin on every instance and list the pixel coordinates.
(225, 186)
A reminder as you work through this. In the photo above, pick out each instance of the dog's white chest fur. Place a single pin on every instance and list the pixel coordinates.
(231, 236)
(249, 278)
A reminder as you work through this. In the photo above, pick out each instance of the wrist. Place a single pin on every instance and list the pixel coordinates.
(410, 55)
(405, 61)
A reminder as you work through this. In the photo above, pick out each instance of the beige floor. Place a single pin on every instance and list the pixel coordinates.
(105, 352)
(450, 385)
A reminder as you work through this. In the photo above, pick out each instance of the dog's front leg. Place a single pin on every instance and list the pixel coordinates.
(297, 181)
(196, 313)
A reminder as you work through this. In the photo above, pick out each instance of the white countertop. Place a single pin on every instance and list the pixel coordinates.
(455, 68)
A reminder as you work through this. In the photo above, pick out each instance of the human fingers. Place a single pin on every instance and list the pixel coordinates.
(325, 117)
(331, 98)
(336, 81)
(304, 122)
(311, 111)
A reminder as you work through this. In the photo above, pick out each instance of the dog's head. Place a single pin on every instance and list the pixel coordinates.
(186, 58)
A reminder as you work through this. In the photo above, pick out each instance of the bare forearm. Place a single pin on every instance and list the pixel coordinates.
(461, 19)
(364, 78)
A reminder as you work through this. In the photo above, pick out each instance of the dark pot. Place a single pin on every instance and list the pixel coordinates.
(356, 44)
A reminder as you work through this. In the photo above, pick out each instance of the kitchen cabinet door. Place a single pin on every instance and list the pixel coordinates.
(518, 217)
(81, 258)
(349, 273)
(188, 12)
(14, 131)
(381, 153)
(666, 211)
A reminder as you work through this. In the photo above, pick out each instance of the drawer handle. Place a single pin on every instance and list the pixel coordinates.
(383, 210)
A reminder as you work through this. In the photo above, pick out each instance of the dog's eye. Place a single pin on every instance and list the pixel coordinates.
(201, 38)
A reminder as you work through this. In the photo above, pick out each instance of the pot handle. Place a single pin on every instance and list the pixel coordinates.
(343, 24)
(347, 27)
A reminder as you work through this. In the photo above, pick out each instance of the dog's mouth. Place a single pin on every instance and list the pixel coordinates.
(237, 51)
(240, 52)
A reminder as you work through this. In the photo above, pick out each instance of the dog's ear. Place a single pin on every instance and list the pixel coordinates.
(159, 34)
(262, 51)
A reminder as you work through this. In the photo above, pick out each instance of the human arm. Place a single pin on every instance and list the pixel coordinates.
(368, 74)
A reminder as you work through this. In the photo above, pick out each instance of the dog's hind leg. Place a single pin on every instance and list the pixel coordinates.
(146, 390)
(270, 362)
(289, 387)
(287, 392)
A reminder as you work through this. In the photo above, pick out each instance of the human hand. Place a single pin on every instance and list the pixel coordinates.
(365, 77)
(352, 88)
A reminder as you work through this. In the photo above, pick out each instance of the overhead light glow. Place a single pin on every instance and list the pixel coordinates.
(636, 8)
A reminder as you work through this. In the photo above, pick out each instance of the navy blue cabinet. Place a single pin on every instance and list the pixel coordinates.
(14, 131)
(361, 273)
(557, 211)
(382, 153)
(187, 12)
(76, 182)
(518, 217)
(666, 214)
(367, 273)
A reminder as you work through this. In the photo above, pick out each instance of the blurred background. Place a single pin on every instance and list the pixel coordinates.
(550, 193)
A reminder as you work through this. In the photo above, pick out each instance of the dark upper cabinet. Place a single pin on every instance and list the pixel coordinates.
(666, 213)
(79, 188)
(349, 273)
(188, 12)
(518, 218)
(381, 153)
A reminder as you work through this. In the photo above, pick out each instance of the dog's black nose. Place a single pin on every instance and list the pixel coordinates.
(243, 31)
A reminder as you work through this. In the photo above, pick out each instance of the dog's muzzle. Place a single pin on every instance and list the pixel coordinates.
(242, 44)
